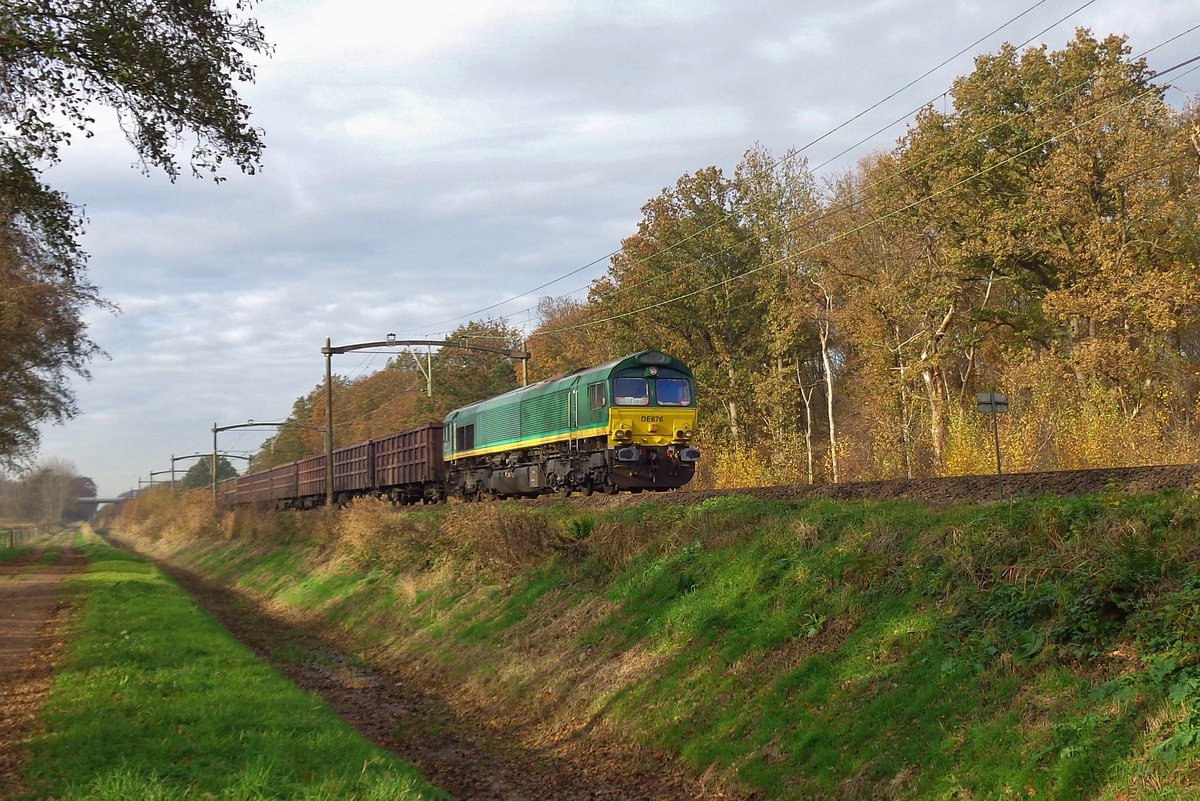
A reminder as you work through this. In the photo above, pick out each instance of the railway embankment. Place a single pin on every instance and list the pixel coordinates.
(763, 646)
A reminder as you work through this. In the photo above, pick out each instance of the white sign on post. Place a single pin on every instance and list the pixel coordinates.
(994, 403)
(991, 403)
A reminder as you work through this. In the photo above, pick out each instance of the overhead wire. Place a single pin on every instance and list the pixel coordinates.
(820, 215)
(870, 223)
(792, 154)
(845, 151)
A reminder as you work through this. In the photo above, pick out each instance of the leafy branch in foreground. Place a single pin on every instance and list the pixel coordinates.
(166, 68)
(170, 70)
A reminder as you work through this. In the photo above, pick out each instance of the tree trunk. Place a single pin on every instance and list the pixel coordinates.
(931, 374)
(905, 412)
(806, 394)
(731, 406)
(937, 414)
(824, 331)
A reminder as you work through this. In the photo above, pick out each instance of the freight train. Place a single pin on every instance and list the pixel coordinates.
(625, 425)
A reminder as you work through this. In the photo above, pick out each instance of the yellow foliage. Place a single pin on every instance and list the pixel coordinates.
(739, 466)
(1058, 422)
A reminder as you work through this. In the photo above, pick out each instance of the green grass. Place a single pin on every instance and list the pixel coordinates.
(929, 691)
(10, 554)
(1049, 648)
(154, 700)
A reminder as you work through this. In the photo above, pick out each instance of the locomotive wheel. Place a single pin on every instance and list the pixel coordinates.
(558, 486)
(587, 489)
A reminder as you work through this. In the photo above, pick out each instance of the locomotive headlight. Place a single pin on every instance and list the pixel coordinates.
(623, 434)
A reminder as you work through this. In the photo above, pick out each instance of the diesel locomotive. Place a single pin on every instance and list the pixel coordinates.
(625, 425)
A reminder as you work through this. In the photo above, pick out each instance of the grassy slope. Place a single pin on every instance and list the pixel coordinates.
(820, 650)
(155, 701)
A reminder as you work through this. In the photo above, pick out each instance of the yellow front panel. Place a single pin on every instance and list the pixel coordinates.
(650, 425)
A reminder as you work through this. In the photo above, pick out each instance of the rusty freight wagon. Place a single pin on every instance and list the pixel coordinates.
(353, 474)
(408, 465)
(253, 487)
(405, 467)
(283, 485)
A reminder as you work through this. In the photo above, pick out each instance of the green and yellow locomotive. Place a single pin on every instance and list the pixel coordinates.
(624, 425)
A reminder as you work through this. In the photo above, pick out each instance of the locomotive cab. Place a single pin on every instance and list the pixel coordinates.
(651, 424)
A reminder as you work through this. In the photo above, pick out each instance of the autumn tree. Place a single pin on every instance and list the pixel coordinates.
(43, 336)
(170, 72)
(784, 206)
(292, 442)
(199, 475)
(688, 282)
(565, 339)
(1051, 214)
(382, 402)
(48, 493)
(462, 376)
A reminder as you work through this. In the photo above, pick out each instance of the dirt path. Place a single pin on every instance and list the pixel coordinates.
(32, 617)
(473, 760)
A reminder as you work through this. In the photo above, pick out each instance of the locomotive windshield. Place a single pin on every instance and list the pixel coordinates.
(631, 392)
(666, 390)
(673, 391)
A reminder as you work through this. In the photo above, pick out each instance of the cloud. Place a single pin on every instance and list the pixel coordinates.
(425, 161)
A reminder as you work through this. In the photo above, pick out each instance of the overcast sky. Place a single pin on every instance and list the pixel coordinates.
(428, 160)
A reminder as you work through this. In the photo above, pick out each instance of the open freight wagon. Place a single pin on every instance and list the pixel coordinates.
(405, 467)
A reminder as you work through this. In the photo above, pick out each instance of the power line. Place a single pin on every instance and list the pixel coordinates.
(791, 155)
(876, 221)
(820, 215)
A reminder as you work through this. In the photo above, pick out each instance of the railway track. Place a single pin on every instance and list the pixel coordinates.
(951, 489)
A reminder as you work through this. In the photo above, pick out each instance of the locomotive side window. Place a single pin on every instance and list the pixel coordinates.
(464, 438)
(673, 391)
(631, 392)
(596, 397)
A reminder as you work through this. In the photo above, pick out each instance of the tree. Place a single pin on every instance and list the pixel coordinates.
(292, 442)
(695, 242)
(82, 487)
(1050, 215)
(49, 493)
(200, 474)
(461, 376)
(784, 206)
(43, 339)
(167, 68)
(169, 71)
(558, 346)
